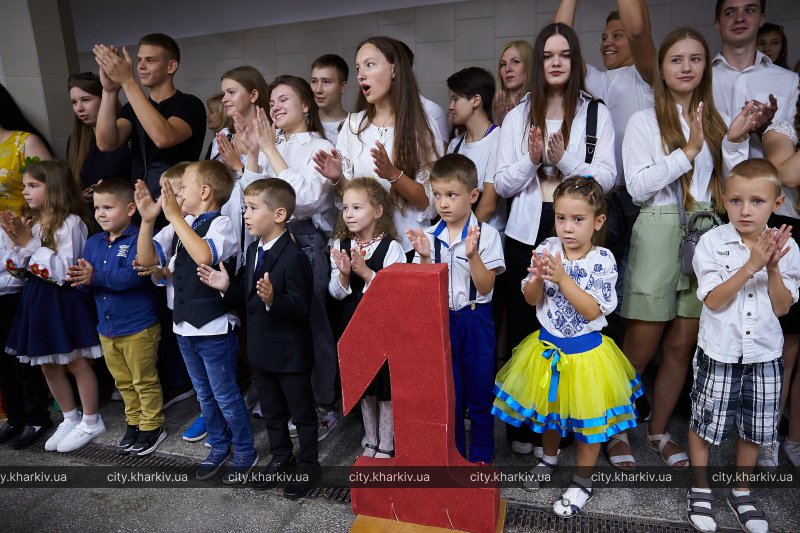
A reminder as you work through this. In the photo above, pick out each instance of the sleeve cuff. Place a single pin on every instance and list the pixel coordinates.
(214, 253)
(162, 258)
(568, 163)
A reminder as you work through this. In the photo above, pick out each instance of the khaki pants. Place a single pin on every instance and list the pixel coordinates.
(131, 359)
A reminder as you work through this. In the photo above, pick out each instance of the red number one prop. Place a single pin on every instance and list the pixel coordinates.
(403, 317)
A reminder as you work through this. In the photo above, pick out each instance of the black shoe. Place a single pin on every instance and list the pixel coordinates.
(302, 482)
(128, 440)
(9, 432)
(147, 441)
(270, 476)
(173, 396)
(29, 435)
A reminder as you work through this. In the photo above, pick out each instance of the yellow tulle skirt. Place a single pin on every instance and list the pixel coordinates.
(583, 385)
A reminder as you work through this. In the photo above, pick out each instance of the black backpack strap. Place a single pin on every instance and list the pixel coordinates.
(591, 129)
(458, 146)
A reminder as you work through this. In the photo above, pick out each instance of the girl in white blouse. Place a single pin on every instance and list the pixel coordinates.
(389, 137)
(542, 142)
(658, 300)
(54, 325)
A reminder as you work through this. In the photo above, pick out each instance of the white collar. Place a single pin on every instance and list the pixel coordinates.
(271, 243)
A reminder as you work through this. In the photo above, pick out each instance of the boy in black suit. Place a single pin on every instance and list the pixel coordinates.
(276, 295)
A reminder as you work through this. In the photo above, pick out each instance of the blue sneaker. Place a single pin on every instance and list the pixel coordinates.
(237, 471)
(209, 468)
(197, 431)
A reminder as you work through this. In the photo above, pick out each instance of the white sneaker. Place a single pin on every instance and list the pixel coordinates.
(63, 429)
(327, 421)
(256, 412)
(792, 452)
(116, 396)
(522, 448)
(768, 455)
(292, 430)
(81, 435)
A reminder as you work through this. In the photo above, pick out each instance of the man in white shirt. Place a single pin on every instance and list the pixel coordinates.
(742, 73)
(329, 75)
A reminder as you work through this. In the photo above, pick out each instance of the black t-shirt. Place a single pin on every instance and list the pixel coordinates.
(184, 106)
(102, 165)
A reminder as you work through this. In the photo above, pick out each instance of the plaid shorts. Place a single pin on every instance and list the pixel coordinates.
(748, 393)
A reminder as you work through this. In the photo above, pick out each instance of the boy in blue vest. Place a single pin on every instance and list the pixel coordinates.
(203, 325)
(474, 256)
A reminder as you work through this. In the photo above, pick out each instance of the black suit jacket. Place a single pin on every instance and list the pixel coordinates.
(278, 340)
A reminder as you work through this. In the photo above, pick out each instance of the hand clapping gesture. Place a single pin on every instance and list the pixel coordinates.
(264, 289)
(148, 209)
(763, 249)
(696, 138)
(328, 164)
(169, 203)
(342, 262)
(359, 266)
(555, 147)
(228, 154)
(216, 279)
(116, 69)
(80, 274)
(471, 242)
(245, 136)
(553, 267)
(537, 268)
(744, 123)
(420, 243)
(782, 236)
(535, 145)
(19, 229)
(264, 131)
(383, 165)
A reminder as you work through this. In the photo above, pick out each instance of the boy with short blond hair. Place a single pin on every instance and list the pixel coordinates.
(203, 325)
(748, 275)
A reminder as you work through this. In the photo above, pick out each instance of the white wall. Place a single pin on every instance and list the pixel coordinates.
(445, 37)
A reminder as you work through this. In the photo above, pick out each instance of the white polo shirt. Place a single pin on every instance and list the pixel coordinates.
(746, 330)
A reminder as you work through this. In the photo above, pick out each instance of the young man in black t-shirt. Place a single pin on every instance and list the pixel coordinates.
(164, 128)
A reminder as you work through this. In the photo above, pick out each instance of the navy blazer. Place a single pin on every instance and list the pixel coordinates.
(278, 340)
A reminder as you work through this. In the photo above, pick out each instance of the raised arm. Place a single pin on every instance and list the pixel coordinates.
(779, 148)
(110, 131)
(566, 12)
(636, 21)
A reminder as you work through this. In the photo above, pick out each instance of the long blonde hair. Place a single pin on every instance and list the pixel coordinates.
(669, 123)
(526, 55)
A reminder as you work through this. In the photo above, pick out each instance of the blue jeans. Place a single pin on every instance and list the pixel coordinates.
(472, 346)
(211, 362)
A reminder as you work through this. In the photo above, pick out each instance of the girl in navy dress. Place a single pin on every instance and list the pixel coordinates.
(366, 241)
(55, 324)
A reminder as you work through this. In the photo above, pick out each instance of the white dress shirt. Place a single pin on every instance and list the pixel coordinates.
(454, 254)
(733, 88)
(394, 254)
(483, 153)
(650, 172)
(314, 191)
(624, 92)
(331, 129)
(596, 274)
(223, 244)
(516, 175)
(437, 117)
(746, 330)
(357, 163)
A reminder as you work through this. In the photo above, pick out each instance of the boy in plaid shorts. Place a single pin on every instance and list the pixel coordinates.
(748, 274)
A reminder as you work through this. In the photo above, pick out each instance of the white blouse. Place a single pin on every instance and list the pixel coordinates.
(41, 261)
(357, 163)
(650, 172)
(595, 274)
(516, 174)
(394, 254)
(314, 191)
(483, 153)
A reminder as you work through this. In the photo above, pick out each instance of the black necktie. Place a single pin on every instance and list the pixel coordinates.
(260, 262)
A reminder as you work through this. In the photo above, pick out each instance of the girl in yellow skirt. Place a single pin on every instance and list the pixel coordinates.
(568, 377)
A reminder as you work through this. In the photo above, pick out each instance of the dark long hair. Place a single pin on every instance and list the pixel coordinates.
(414, 141)
(12, 119)
(82, 133)
(306, 95)
(769, 27)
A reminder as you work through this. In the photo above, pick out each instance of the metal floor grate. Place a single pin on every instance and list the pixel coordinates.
(519, 514)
